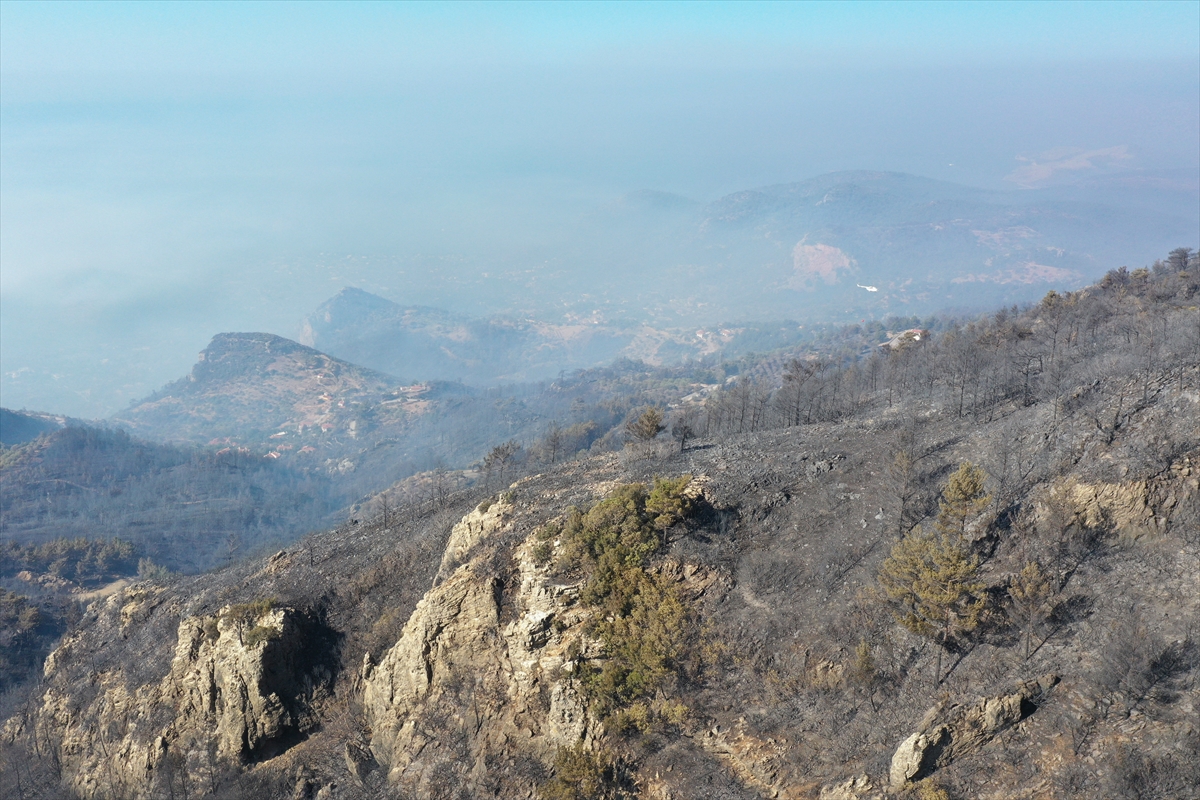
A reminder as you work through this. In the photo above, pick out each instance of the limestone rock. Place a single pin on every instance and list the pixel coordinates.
(470, 531)
(856, 788)
(949, 733)
(483, 652)
(359, 761)
(1127, 507)
(230, 694)
(916, 756)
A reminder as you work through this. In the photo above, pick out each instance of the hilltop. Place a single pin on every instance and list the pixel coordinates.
(251, 385)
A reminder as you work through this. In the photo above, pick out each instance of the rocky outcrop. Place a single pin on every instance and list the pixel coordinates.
(856, 788)
(235, 692)
(1125, 507)
(482, 522)
(1132, 508)
(949, 733)
(917, 756)
(757, 764)
(488, 654)
(238, 680)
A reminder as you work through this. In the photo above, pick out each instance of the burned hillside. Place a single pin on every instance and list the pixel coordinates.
(716, 616)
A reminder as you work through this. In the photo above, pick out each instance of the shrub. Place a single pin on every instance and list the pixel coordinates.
(245, 613)
(149, 571)
(581, 774)
(259, 634)
(542, 553)
(668, 504)
(864, 668)
(647, 627)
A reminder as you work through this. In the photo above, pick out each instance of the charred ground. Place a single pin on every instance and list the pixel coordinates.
(1083, 413)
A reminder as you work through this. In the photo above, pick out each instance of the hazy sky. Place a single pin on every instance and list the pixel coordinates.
(168, 171)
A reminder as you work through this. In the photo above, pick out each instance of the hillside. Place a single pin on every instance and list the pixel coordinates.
(17, 427)
(185, 508)
(359, 429)
(251, 385)
(753, 625)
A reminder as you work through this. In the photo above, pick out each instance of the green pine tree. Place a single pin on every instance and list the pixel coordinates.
(932, 576)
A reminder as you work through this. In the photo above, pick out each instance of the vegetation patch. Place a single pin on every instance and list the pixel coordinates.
(581, 774)
(245, 617)
(25, 632)
(648, 628)
(931, 577)
(84, 561)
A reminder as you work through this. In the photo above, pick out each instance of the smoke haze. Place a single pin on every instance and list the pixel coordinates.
(169, 171)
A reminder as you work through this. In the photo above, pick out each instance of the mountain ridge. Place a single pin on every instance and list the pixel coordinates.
(257, 382)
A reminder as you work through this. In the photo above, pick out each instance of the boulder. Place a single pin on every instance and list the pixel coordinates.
(949, 733)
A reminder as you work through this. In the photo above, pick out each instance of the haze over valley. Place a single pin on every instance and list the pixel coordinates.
(599, 401)
(716, 168)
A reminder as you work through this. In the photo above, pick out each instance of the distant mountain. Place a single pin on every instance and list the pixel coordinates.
(250, 386)
(272, 398)
(432, 344)
(908, 236)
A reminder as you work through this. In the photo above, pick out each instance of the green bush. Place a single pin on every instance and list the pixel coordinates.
(542, 553)
(667, 503)
(548, 531)
(245, 613)
(149, 571)
(581, 774)
(259, 634)
(647, 627)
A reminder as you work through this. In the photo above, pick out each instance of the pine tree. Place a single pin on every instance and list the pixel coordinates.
(962, 500)
(932, 578)
(1031, 592)
(646, 426)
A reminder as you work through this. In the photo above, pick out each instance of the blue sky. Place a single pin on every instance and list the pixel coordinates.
(277, 37)
(169, 170)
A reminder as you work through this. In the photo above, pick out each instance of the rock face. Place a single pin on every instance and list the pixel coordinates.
(476, 526)
(950, 733)
(234, 693)
(221, 682)
(857, 788)
(491, 648)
